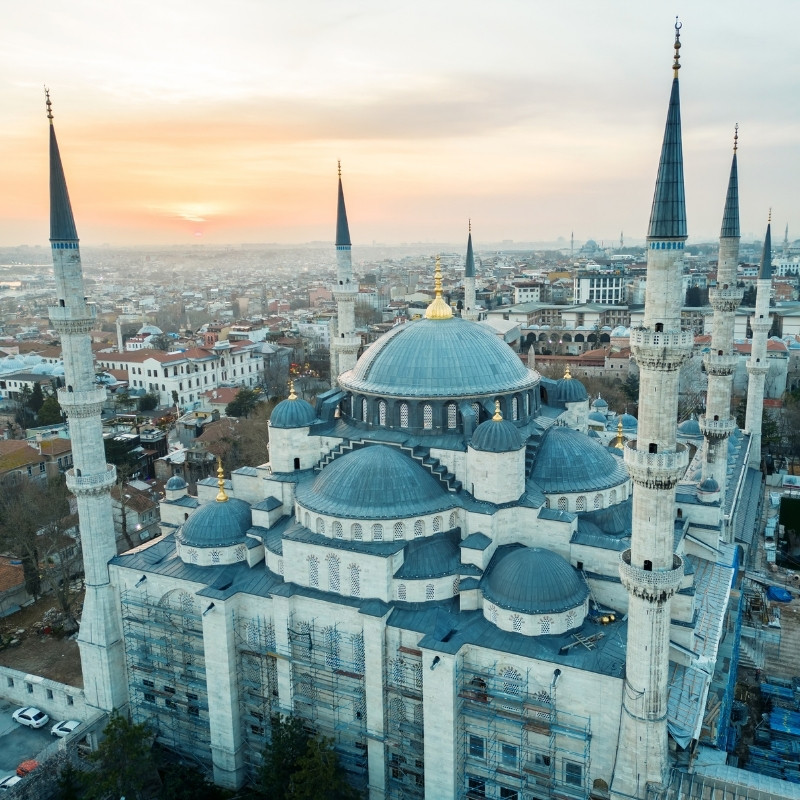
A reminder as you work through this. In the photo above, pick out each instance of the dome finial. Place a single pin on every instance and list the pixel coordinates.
(619, 444)
(498, 415)
(769, 216)
(222, 496)
(438, 309)
(49, 104)
(736, 137)
(677, 64)
(567, 375)
(292, 395)
(339, 167)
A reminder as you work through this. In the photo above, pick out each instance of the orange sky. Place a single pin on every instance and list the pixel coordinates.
(181, 124)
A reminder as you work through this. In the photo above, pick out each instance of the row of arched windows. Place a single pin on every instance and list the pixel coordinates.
(376, 530)
(598, 501)
(334, 581)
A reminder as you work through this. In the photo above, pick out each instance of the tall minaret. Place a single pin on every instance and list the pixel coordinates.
(717, 424)
(650, 571)
(469, 311)
(344, 342)
(91, 479)
(758, 366)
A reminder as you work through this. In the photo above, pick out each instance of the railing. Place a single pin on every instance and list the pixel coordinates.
(652, 584)
(106, 478)
(717, 427)
(647, 337)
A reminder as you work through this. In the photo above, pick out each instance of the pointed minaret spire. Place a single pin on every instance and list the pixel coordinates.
(469, 311)
(730, 218)
(469, 264)
(62, 223)
(342, 229)
(668, 214)
(765, 273)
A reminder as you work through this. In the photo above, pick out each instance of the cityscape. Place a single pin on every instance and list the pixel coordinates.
(410, 511)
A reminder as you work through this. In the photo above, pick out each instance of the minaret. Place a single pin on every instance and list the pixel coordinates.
(650, 571)
(469, 311)
(344, 341)
(91, 479)
(758, 366)
(717, 424)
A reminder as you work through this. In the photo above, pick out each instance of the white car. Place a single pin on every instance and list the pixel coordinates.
(62, 729)
(31, 717)
(7, 783)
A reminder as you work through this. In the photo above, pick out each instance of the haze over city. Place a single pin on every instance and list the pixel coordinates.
(186, 123)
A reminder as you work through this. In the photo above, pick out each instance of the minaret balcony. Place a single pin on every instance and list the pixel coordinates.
(68, 320)
(91, 484)
(655, 586)
(725, 299)
(760, 368)
(346, 293)
(82, 404)
(716, 428)
(663, 350)
(761, 326)
(722, 365)
(656, 470)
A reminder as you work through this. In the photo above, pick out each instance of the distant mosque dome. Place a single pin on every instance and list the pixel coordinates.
(175, 483)
(598, 404)
(149, 330)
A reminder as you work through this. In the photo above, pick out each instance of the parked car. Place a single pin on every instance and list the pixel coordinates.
(27, 766)
(7, 783)
(65, 728)
(31, 717)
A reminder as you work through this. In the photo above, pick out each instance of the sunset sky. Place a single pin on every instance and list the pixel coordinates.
(191, 120)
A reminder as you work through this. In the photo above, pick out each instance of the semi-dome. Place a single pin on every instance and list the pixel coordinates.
(175, 483)
(569, 461)
(496, 435)
(438, 358)
(533, 580)
(217, 524)
(374, 482)
(294, 412)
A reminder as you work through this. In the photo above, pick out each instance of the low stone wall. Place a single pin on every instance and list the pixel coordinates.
(57, 700)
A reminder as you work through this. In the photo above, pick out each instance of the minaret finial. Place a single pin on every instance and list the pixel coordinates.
(292, 395)
(769, 216)
(619, 444)
(49, 104)
(677, 63)
(498, 415)
(469, 225)
(438, 309)
(567, 374)
(736, 137)
(339, 168)
(222, 496)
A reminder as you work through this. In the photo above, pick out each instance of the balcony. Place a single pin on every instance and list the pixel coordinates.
(725, 299)
(717, 428)
(91, 484)
(665, 350)
(652, 585)
(717, 364)
(656, 470)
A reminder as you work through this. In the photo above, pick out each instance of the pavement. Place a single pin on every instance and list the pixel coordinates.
(18, 743)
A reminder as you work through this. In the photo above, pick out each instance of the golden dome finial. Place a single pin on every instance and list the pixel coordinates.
(735, 137)
(498, 416)
(677, 64)
(339, 168)
(619, 444)
(222, 496)
(292, 395)
(769, 216)
(49, 104)
(567, 375)
(438, 309)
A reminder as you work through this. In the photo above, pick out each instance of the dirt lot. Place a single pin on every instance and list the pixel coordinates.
(49, 655)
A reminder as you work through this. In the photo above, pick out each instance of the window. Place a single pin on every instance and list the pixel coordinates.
(598, 501)
(580, 503)
(399, 530)
(49, 694)
(320, 525)
(382, 412)
(29, 688)
(10, 683)
(401, 592)
(573, 773)
(453, 520)
(313, 571)
(338, 531)
(541, 760)
(357, 531)
(403, 415)
(70, 700)
(477, 746)
(355, 581)
(364, 410)
(512, 680)
(377, 532)
(476, 788)
(544, 624)
(514, 408)
(419, 527)
(509, 755)
(427, 416)
(562, 503)
(452, 416)
(333, 573)
(437, 524)
(430, 592)
(516, 623)
(508, 794)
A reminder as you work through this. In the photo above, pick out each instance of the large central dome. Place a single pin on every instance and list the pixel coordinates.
(438, 358)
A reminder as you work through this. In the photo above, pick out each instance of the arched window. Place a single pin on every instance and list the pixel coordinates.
(512, 680)
(437, 524)
(331, 637)
(396, 670)
(612, 497)
(453, 520)
(562, 503)
(320, 525)
(352, 405)
(598, 501)
(338, 531)
(313, 571)
(527, 404)
(570, 618)
(403, 415)
(382, 412)
(215, 556)
(358, 653)
(430, 591)
(364, 409)
(308, 520)
(377, 532)
(544, 624)
(476, 409)
(516, 623)
(514, 408)
(493, 614)
(456, 585)
(355, 581)
(399, 530)
(580, 503)
(357, 531)
(397, 710)
(427, 416)
(452, 416)
(333, 572)
(401, 592)
(419, 527)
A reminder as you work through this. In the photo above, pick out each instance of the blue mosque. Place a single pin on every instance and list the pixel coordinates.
(440, 569)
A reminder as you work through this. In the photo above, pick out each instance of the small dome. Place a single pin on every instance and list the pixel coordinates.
(217, 524)
(708, 486)
(629, 422)
(293, 413)
(570, 390)
(690, 427)
(496, 436)
(569, 461)
(593, 434)
(175, 483)
(599, 403)
(596, 416)
(374, 482)
(533, 580)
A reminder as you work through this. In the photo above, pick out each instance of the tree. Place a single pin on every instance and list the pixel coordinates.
(50, 412)
(36, 398)
(244, 402)
(148, 402)
(319, 775)
(161, 341)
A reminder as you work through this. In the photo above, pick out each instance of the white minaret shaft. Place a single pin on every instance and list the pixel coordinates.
(650, 571)
(717, 424)
(91, 479)
(758, 365)
(469, 311)
(345, 342)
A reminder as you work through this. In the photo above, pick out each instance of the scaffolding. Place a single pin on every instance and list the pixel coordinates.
(328, 690)
(513, 738)
(405, 750)
(166, 669)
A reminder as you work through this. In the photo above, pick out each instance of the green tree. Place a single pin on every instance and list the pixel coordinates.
(36, 398)
(185, 782)
(148, 402)
(50, 411)
(319, 775)
(244, 402)
(289, 740)
(125, 763)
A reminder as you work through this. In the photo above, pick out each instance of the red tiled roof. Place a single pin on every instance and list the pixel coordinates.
(15, 453)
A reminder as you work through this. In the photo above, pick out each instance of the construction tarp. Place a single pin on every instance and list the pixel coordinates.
(779, 595)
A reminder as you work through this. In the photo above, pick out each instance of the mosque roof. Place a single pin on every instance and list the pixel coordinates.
(217, 524)
(294, 412)
(570, 461)
(374, 482)
(431, 556)
(596, 416)
(570, 390)
(532, 580)
(438, 358)
(690, 427)
(175, 482)
(629, 422)
(496, 435)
